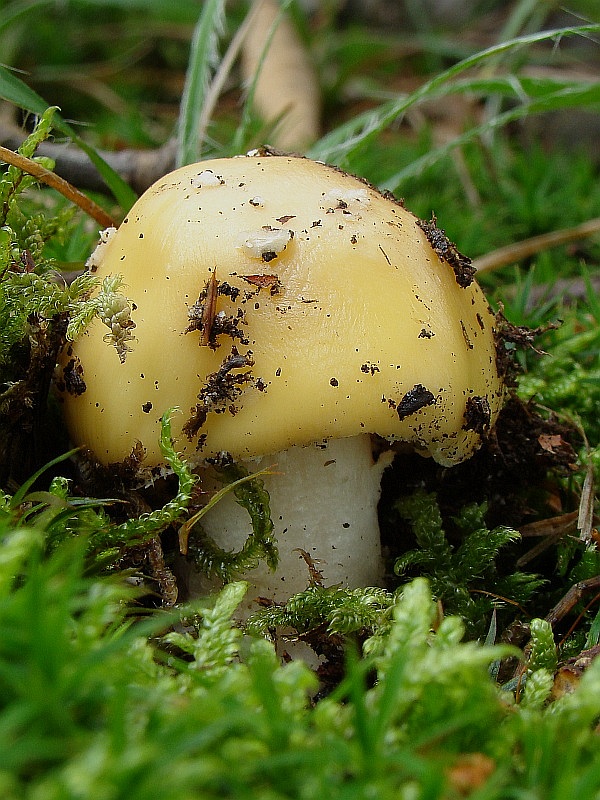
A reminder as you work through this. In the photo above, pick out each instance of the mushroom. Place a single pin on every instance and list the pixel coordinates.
(292, 312)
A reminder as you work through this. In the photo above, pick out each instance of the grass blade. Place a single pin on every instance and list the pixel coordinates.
(569, 97)
(340, 142)
(241, 134)
(203, 59)
(15, 91)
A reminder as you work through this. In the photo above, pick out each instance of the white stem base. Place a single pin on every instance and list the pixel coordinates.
(323, 501)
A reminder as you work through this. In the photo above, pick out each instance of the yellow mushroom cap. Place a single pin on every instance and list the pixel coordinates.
(328, 296)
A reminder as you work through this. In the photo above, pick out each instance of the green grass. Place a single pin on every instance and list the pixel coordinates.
(89, 708)
(102, 697)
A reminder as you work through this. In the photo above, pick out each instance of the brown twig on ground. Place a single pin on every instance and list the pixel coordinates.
(552, 530)
(53, 180)
(529, 247)
(572, 597)
(139, 168)
(585, 517)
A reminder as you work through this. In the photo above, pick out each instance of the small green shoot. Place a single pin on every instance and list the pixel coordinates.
(64, 517)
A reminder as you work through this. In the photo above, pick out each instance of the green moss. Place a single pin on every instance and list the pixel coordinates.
(463, 577)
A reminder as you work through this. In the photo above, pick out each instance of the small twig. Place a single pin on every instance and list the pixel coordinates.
(501, 599)
(316, 577)
(580, 616)
(585, 517)
(529, 247)
(139, 168)
(161, 572)
(551, 526)
(184, 530)
(553, 530)
(56, 182)
(571, 598)
(540, 548)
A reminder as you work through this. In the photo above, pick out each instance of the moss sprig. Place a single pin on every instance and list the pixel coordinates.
(114, 311)
(64, 516)
(537, 679)
(260, 544)
(217, 638)
(149, 524)
(343, 611)
(29, 231)
(87, 701)
(14, 181)
(464, 577)
(542, 648)
(567, 378)
(39, 310)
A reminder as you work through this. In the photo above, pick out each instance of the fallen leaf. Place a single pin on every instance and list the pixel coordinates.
(470, 772)
(286, 92)
(552, 443)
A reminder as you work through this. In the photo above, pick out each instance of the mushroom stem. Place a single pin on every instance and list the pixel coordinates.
(323, 501)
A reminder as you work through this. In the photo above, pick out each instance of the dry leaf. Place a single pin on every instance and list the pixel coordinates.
(552, 443)
(469, 772)
(566, 680)
(568, 676)
(286, 91)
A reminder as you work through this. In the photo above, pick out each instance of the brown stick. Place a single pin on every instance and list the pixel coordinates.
(571, 598)
(139, 168)
(529, 247)
(44, 175)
